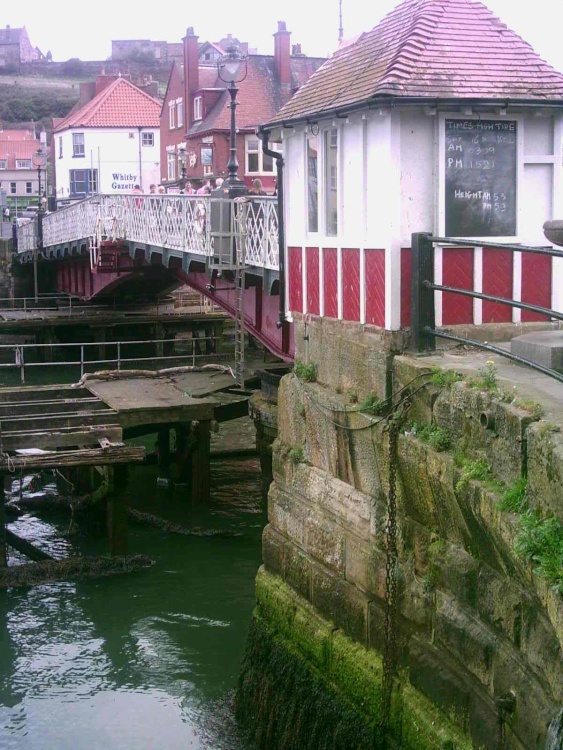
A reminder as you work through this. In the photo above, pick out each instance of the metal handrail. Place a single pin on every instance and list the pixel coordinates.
(423, 326)
(173, 222)
(21, 363)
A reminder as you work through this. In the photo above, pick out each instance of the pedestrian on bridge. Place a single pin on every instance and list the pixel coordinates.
(7, 214)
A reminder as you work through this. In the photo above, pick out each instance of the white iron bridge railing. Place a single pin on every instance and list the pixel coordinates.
(172, 222)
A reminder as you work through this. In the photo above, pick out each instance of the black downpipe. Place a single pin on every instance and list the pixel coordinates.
(281, 225)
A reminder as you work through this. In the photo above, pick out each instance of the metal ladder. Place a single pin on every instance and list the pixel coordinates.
(239, 215)
(239, 326)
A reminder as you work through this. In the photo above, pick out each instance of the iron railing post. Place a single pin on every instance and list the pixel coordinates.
(422, 298)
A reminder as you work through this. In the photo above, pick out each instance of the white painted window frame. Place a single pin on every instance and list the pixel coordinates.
(198, 108)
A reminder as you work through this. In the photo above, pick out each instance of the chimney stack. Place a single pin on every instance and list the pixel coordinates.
(281, 54)
(191, 73)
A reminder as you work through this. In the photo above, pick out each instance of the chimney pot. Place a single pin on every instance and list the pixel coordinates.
(281, 26)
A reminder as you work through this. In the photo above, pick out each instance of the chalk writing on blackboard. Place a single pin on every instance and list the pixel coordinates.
(480, 166)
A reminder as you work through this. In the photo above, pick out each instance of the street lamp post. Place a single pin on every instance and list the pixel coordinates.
(40, 160)
(182, 160)
(232, 69)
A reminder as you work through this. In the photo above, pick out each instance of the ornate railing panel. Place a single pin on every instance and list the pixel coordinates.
(172, 222)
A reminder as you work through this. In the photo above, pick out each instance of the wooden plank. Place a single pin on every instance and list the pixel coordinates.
(65, 459)
(234, 410)
(42, 409)
(55, 422)
(27, 549)
(41, 393)
(61, 438)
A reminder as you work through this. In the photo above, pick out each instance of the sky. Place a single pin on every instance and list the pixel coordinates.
(87, 33)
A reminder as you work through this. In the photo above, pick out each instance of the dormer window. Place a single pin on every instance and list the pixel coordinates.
(23, 163)
(198, 108)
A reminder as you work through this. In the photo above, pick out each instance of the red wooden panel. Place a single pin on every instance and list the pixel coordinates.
(313, 290)
(295, 279)
(536, 284)
(351, 284)
(497, 280)
(457, 270)
(330, 278)
(405, 287)
(375, 286)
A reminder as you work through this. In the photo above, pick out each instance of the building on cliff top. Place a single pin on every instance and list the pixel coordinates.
(440, 119)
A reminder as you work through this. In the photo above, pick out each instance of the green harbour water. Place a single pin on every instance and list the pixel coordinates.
(143, 660)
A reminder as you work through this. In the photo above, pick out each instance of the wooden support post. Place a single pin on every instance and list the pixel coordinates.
(163, 450)
(100, 336)
(183, 445)
(158, 335)
(3, 559)
(200, 461)
(117, 510)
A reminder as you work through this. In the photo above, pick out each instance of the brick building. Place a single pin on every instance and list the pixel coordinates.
(196, 116)
(18, 168)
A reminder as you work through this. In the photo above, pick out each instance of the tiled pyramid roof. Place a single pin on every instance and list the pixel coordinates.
(434, 49)
(121, 104)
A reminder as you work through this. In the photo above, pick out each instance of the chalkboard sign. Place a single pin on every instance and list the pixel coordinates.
(480, 162)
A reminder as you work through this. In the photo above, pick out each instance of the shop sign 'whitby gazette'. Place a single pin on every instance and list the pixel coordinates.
(441, 120)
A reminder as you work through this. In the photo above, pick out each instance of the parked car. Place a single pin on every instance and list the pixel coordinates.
(30, 212)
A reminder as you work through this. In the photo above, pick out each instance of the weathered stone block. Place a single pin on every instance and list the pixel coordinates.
(286, 514)
(358, 673)
(532, 712)
(365, 566)
(324, 540)
(349, 356)
(455, 571)
(444, 681)
(416, 601)
(460, 631)
(483, 426)
(297, 570)
(273, 550)
(353, 509)
(545, 469)
(291, 412)
(427, 480)
(341, 602)
(501, 602)
(295, 619)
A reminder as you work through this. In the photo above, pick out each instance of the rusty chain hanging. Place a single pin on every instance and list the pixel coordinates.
(391, 569)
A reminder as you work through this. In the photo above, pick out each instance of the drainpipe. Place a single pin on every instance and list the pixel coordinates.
(281, 224)
(140, 183)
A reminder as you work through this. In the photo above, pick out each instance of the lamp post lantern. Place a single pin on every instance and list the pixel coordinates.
(40, 161)
(232, 69)
(182, 161)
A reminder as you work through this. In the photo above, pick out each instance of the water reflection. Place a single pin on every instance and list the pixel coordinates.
(139, 661)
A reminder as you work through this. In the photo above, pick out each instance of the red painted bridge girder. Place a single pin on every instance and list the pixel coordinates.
(74, 276)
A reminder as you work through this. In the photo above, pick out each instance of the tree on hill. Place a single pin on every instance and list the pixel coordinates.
(73, 67)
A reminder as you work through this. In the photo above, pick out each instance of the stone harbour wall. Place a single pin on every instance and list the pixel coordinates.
(479, 632)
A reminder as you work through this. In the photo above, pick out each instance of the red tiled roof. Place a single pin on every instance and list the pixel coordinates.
(12, 150)
(17, 135)
(121, 104)
(439, 49)
(260, 95)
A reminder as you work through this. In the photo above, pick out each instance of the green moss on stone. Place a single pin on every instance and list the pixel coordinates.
(305, 684)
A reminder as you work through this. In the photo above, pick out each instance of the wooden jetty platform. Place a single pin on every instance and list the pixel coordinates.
(58, 427)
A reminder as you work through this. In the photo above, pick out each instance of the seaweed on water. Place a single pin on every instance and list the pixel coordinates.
(33, 574)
